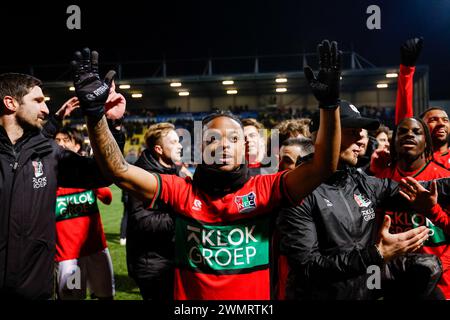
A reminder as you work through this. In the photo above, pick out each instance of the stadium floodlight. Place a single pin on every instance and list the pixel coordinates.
(183, 93)
(391, 75)
(175, 84)
(232, 91)
(281, 90)
(71, 88)
(227, 82)
(280, 80)
(47, 99)
(382, 85)
(124, 86)
(136, 95)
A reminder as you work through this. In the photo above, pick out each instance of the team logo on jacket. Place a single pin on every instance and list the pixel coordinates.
(362, 200)
(38, 180)
(246, 202)
(328, 202)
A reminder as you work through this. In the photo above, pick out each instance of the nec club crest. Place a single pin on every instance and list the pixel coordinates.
(38, 168)
(246, 202)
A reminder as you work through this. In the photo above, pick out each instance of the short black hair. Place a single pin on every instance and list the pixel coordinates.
(422, 115)
(300, 142)
(306, 145)
(221, 113)
(73, 134)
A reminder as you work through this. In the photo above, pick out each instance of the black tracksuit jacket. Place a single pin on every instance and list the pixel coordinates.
(30, 172)
(329, 239)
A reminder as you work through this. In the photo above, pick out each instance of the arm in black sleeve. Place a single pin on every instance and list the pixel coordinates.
(52, 126)
(75, 171)
(144, 220)
(300, 243)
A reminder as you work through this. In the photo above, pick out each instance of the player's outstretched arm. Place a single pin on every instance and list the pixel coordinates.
(139, 182)
(325, 87)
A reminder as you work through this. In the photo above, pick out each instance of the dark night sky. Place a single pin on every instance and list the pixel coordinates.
(36, 33)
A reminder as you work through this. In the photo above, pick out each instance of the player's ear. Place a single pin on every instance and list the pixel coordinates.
(10, 103)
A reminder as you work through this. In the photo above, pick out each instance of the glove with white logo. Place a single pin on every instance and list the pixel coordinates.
(326, 86)
(90, 89)
(410, 51)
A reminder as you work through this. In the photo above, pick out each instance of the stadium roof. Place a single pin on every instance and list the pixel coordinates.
(251, 76)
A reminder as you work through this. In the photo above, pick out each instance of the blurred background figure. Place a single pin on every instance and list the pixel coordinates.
(383, 136)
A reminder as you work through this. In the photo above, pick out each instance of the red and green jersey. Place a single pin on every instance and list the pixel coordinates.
(438, 242)
(79, 230)
(222, 244)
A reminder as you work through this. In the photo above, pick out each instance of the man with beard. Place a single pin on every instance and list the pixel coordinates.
(151, 231)
(412, 154)
(222, 216)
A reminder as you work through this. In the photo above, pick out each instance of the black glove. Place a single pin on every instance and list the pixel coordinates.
(90, 89)
(326, 86)
(410, 51)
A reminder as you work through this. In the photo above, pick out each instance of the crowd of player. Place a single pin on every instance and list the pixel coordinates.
(342, 198)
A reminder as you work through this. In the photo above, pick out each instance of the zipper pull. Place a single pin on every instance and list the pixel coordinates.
(16, 164)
